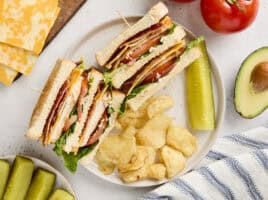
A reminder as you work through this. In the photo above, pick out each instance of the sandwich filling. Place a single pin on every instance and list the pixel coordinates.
(139, 45)
(152, 72)
(155, 69)
(97, 120)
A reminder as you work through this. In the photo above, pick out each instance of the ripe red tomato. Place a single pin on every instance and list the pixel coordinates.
(227, 16)
(183, 1)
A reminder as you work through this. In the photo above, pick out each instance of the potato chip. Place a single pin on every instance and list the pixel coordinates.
(135, 122)
(115, 148)
(156, 171)
(173, 160)
(133, 176)
(159, 105)
(135, 118)
(154, 132)
(137, 161)
(151, 152)
(182, 140)
(105, 164)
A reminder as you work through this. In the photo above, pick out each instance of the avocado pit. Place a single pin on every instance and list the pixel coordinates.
(259, 77)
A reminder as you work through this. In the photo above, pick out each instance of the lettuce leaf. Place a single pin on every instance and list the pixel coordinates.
(133, 94)
(71, 160)
(58, 148)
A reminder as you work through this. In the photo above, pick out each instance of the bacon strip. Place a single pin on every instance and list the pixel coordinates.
(99, 130)
(53, 113)
(139, 44)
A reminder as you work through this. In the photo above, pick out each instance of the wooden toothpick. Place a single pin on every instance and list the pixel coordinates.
(123, 18)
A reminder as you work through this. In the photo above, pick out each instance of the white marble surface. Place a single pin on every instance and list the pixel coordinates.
(17, 101)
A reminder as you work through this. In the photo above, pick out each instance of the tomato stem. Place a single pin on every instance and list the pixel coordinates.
(236, 3)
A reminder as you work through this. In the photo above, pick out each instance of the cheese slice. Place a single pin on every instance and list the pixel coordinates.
(7, 75)
(17, 59)
(26, 23)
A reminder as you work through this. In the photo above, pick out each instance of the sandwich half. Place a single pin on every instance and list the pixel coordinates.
(74, 112)
(136, 46)
(156, 75)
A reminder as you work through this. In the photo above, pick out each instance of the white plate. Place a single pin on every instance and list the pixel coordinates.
(60, 181)
(98, 38)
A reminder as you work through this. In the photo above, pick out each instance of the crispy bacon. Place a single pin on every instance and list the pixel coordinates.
(99, 130)
(54, 111)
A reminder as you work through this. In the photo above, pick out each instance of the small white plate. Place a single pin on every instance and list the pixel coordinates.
(60, 181)
(98, 38)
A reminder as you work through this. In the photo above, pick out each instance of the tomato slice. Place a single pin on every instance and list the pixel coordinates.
(99, 130)
(140, 50)
(159, 72)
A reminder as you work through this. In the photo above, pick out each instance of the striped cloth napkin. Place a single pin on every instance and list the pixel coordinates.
(235, 168)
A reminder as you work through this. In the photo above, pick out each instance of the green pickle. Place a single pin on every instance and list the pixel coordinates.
(4, 172)
(41, 186)
(20, 179)
(199, 90)
(60, 194)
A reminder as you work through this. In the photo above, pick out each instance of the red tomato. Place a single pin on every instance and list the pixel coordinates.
(183, 1)
(227, 16)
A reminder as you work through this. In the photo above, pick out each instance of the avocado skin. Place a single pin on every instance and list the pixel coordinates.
(236, 89)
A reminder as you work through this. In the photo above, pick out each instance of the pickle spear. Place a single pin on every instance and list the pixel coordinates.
(199, 90)
(59, 194)
(41, 186)
(4, 172)
(20, 179)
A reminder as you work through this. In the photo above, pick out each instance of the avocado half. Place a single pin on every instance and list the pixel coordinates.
(248, 101)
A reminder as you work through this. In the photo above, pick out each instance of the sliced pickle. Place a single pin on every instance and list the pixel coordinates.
(199, 91)
(4, 173)
(41, 186)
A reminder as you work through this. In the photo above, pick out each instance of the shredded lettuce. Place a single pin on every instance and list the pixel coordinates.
(82, 65)
(58, 148)
(90, 83)
(74, 111)
(195, 42)
(144, 55)
(172, 29)
(133, 94)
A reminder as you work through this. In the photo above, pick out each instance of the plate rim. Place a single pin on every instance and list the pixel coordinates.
(220, 93)
(46, 166)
